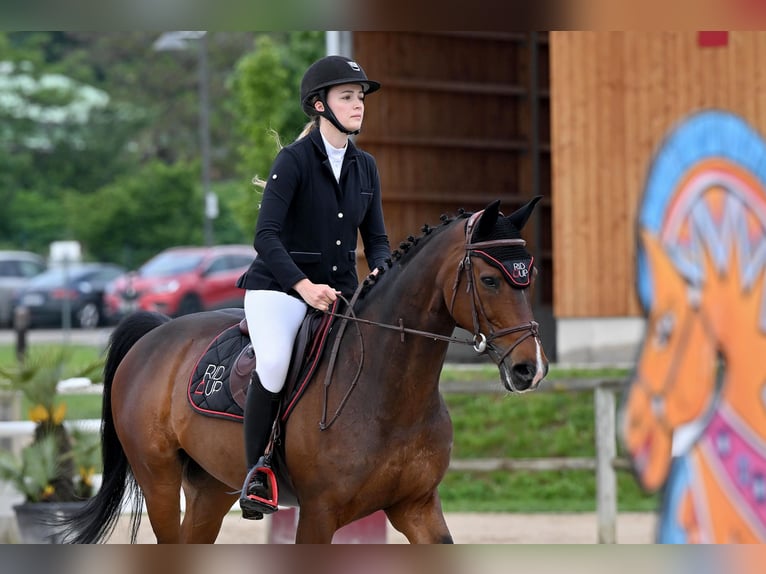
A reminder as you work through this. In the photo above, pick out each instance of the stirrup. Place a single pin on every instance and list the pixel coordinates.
(255, 500)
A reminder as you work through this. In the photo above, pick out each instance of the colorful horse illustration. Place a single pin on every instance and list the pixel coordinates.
(695, 413)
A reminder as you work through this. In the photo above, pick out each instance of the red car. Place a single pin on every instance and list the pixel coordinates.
(182, 280)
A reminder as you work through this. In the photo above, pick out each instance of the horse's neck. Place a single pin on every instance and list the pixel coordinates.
(414, 295)
(742, 389)
(411, 296)
(742, 346)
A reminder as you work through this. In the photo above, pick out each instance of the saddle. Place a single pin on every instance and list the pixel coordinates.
(220, 379)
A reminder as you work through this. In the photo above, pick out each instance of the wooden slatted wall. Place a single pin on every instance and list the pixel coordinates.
(614, 97)
(461, 120)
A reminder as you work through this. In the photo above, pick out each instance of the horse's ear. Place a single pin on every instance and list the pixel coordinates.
(488, 219)
(520, 216)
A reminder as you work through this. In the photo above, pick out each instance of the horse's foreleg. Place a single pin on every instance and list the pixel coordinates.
(207, 503)
(421, 521)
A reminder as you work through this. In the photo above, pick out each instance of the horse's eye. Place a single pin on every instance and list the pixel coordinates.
(491, 281)
(664, 329)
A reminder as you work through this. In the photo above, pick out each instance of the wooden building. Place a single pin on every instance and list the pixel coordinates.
(465, 118)
(462, 120)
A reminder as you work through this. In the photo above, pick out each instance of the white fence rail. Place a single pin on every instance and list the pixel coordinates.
(15, 429)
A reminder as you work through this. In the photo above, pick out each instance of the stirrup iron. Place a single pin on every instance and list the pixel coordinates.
(256, 505)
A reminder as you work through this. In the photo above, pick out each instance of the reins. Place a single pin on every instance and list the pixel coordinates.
(348, 315)
(481, 343)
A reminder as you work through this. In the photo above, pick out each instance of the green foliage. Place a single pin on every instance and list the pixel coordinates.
(53, 175)
(231, 225)
(38, 376)
(510, 426)
(542, 491)
(57, 465)
(488, 371)
(31, 473)
(140, 214)
(58, 137)
(86, 458)
(265, 88)
(540, 425)
(79, 357)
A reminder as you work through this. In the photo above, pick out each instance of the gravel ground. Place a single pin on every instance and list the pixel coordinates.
(467, 528)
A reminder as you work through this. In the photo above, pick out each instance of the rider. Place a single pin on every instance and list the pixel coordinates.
(322, 191)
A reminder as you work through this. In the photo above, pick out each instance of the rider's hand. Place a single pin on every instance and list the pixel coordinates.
(318, 296)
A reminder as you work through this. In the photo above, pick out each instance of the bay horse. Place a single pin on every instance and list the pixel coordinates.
(387, 449)
(695, 423)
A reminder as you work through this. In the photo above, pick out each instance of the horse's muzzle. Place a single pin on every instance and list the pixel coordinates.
(523, 376)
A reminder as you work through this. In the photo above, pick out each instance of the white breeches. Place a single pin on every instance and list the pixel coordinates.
(273, 318)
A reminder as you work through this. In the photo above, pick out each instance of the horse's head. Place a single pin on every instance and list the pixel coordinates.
(491, 295)
(675, 373)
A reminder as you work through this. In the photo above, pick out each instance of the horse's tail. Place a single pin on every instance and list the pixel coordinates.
(98, 518)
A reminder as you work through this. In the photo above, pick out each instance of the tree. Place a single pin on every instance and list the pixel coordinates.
(66, 179)
(57, 136)
(265, 88)
(142, 213)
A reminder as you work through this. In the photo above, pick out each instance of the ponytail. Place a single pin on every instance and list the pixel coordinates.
(307, 129)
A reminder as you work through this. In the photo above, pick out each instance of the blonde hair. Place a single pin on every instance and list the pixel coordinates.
(307, 129)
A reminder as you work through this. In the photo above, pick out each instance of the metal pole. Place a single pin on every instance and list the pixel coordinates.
(66, 303)
(20, 326)
(204, 133)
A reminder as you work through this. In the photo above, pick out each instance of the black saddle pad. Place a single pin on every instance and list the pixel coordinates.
(210, 390)
(219, 380)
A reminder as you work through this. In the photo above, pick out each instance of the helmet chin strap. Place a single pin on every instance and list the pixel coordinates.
(330, 116)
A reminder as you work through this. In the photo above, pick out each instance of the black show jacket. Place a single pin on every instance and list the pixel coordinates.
(308, 222)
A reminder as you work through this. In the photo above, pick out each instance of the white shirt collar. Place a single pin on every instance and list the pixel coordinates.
(335, 155)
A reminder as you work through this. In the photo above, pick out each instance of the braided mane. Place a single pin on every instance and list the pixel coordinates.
(409, 248)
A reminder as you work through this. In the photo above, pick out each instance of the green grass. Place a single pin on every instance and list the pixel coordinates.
(82, 355)
(78, 406)
(495, 426)
(533, 425)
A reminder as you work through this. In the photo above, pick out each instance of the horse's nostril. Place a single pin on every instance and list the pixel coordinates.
(523, 374)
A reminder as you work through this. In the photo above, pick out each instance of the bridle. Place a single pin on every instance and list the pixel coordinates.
(482, 343)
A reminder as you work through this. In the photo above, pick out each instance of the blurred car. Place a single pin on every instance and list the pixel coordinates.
(16, 270)
(183, 280)
(80, 286)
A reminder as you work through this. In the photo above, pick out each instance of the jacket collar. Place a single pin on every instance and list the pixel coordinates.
(316, 138)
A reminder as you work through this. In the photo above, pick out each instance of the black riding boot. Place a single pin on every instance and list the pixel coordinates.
(259, 493)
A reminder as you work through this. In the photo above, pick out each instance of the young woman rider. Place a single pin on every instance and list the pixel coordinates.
(322, 190)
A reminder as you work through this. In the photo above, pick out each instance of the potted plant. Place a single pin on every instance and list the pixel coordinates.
(54, 471)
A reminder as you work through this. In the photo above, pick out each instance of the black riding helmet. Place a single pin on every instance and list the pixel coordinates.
(328, 72)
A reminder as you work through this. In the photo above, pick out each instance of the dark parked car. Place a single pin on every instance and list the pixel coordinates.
(81, 286)
(16, 270)
(182, 280)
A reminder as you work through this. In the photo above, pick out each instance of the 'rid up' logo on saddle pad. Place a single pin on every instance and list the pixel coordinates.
(518, 271)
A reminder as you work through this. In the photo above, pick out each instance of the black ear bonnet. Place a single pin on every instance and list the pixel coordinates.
(514, 261)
